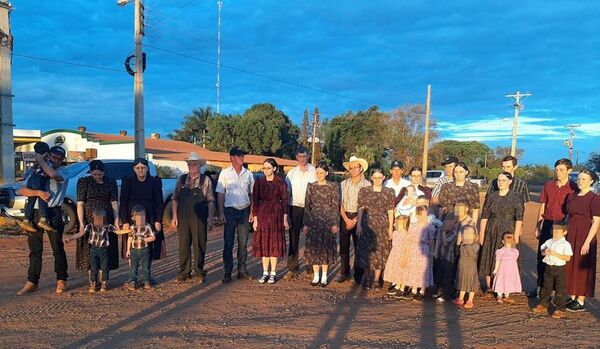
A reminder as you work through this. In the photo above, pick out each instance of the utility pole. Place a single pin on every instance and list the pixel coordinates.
(426, 141)
(138, 89)
(314, 135)
(7, 147)
(219, 5)
(518, 107)
(569, 142)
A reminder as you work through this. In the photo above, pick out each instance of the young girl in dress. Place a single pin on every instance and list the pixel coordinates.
(395, 265)
(467, 278)
(507, 279)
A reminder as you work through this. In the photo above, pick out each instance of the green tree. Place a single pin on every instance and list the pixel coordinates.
(194, 127)
(222, 132)
(473, 153)
(304, 130)
(500, 152)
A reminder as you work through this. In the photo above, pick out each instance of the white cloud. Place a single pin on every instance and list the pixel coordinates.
(496, 128)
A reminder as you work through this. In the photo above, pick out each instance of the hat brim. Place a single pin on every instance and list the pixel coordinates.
(363, 163)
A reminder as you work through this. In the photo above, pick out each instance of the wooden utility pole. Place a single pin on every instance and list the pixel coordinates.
(314, 135)
(138, 88)
(518, 106)
(426, 141)
(7, 147)
(569, 142)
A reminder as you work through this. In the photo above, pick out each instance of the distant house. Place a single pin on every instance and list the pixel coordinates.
(82, 144)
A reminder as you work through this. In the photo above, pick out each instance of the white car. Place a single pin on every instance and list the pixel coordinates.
(14, 206)
(432, 177)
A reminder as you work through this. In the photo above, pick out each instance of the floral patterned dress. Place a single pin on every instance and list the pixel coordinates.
(269, 204)
(321, 212)
(374, 244)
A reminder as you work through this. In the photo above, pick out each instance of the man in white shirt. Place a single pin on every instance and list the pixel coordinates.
(557, 252)
(396, 182)
(234, 188)
(297, 180)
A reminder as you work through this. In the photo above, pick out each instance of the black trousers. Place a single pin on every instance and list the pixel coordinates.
(448, 273)
(296, 216)
(545, 235)
(36, 248)
(555, 279)
(437, 272)
(345, 236)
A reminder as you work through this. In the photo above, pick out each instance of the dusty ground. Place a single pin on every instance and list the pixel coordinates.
(289, 314)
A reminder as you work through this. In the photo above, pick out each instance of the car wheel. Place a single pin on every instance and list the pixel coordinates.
(69, 217)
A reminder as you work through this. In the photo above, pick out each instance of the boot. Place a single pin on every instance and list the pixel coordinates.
(61, 286)
(104, 285)
(27, 226)
(27, 288)
(91, 283)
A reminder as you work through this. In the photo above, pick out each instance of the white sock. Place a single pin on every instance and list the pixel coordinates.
(265, 273)
(315, 278)
(273, 273)
(323, 278)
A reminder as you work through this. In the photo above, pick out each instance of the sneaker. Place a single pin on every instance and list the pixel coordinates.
(27, 226)
(92, 287)
(27, 288)
(226, 278)
(398, 295)
(147, 285)
(104, 286)
(575, 307)
(393, 291)
(510, 301)
(539, 309)
(42, 223)
(271, 279)
(558, 314)
(569, 301)
(315, 283)
(244, 276)
(182, 277)
(437, 294)
(323, 284)
(408, 296)
(469, 305)
(131, 286)
(61, 286)
(440, 300)
(391, 287)
(419, 297)
(263, 278)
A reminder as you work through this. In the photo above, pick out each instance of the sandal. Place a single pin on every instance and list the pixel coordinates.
(509, 301)
(499, 301)
(469, 305)
(459, 302)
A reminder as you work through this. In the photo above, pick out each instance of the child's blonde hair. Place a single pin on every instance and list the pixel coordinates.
(402, 222)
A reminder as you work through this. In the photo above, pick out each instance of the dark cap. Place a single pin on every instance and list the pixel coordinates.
(449, 159)
(41, 147)
(56, 150)
(97, 165)
(235, 151)
(140, 161)
(397, 163)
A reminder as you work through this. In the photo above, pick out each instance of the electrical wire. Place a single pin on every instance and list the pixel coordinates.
(51, 60)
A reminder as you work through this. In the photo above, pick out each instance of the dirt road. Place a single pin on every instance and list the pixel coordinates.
(245, 314)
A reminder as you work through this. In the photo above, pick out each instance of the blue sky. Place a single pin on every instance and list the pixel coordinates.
(473, 53)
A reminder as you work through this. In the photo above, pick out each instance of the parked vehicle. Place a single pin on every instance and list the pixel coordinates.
(432, 177)
(14, 205)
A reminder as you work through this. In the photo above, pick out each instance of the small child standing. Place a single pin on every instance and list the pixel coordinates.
(38, 180)
(557, 252)
(97, 236)
(467, 279)
(138, 249)
(507, 279)
(396, 265)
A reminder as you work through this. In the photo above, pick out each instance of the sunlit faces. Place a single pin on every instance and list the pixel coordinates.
(141, 170)
(237, 160)
(584, 181)
(503, 181)
(460, 174)
(97, 175)
(321, 174)
(449, 169)
(377, 178)
(416, 177)
(562, 172)
(268, 169)
(193, 166)
(56, 159)
(302, 159)
(396, 172)
(507, 166)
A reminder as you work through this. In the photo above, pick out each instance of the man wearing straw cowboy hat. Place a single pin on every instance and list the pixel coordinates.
(193, 211)
(349, 209)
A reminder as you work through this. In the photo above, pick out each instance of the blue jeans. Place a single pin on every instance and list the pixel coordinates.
(236, 220)
(139, 257)
(99, 261)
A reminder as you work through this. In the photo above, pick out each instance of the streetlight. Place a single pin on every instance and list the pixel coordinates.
(138, 76)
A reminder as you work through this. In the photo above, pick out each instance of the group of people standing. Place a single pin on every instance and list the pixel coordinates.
(441, 240)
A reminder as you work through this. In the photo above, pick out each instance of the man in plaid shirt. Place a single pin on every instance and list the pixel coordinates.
(138, 249)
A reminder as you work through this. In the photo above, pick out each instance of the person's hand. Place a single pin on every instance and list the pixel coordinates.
(117, 223)
(390, 234)
(255, 224)
(81, 228)
(211, 223)
(157, 226)
(335, 229)
(174, 222)
(128, 254)
(286, 224)
(44, 195)
(126, 226)
(544, 252)
(585, 249)
(536, 232)
(495, 272)
(305, 230)
(481, 238)
(222, 218)
(517, 239)
(66, 240)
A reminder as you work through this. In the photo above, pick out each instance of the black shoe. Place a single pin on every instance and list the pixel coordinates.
(366, 287)
(182, 277)
(569, 301)
(226, 278)
(244, 276)
(575, 307)
(343, 278)
(419, 298)
(391, 287)
(407, 296)
(393, 291)
(323, 284)
(398, 294)
(201, 278)
(312, 283)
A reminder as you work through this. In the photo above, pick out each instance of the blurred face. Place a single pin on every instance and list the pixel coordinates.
(562, 172)
(237, 160)
(416, 177)
(321, 174)
(193, 167)
(55, 159)
(140, 170)
(508, 240)
(422, 202)
(139, 218)
(97, 175)
(302, 159)
(558, 231)
(396, 172)
(354, 169)
(268, 169)
(460, 211)
(507, 166)
(99, 220)
(449, 169)
(503, 182)
(584, 181)
(460, 174)
(377, 178)
(468, 236)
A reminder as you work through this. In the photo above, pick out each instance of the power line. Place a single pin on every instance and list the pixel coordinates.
(265, 76)
(51, 60)
(173, 12)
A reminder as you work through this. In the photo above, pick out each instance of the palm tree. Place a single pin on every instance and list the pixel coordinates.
(194, 127)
